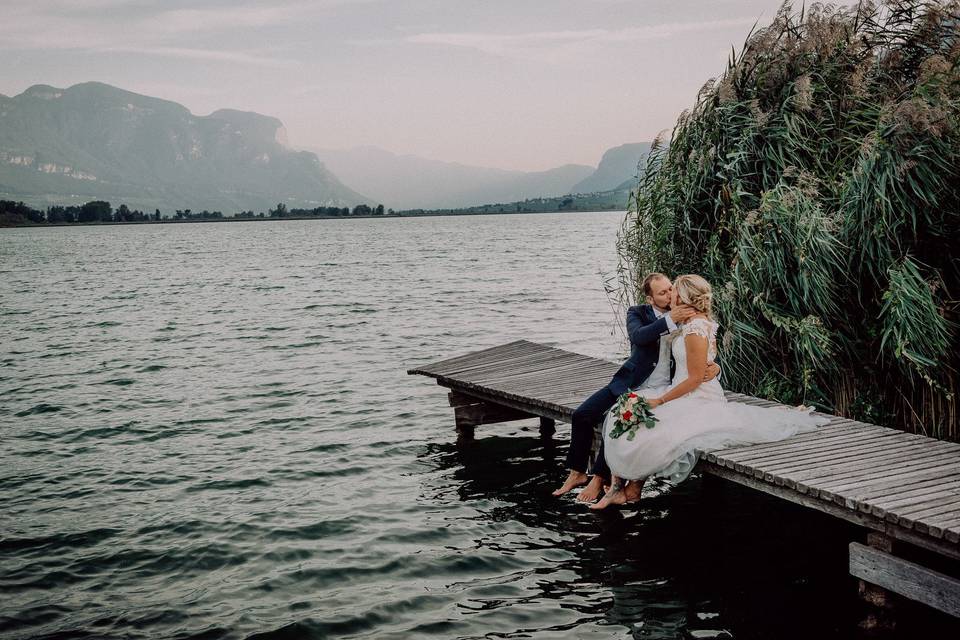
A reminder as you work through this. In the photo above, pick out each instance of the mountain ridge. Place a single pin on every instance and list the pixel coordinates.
(408, 181)
(94, 140)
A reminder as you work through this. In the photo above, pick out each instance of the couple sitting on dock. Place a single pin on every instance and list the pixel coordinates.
(673, 334)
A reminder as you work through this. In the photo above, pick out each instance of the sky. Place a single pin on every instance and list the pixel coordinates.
(514, 84)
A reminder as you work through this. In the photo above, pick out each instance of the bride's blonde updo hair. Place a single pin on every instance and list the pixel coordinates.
(696, 292)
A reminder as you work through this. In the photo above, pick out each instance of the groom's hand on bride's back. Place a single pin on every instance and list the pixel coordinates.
(682, 313)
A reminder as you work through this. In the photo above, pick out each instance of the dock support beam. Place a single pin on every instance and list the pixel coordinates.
(469, 412)
(884, 578)
(879, 619)
(548, 427)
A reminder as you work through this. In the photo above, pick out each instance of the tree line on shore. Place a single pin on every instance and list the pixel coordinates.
(14, 213)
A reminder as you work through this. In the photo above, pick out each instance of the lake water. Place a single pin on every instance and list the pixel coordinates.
(208, 432)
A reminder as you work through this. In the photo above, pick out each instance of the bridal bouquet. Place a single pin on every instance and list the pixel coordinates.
(631, 411)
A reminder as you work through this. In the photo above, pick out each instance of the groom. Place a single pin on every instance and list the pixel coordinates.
(648, 327)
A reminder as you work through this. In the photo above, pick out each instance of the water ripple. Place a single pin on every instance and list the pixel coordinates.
(208, 432)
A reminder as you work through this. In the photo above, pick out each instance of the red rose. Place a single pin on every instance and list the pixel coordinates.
(627, 415)
(632, 395)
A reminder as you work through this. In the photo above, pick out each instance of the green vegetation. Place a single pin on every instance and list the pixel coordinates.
(613, 200)
(816, 184)
(100, 212)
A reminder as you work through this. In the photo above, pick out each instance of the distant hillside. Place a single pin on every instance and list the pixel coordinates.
(612, 200)
(406, 181)
(616, 166)
(92, 140)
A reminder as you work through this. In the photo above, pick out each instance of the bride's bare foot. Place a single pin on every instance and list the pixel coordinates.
(574, 480)
(619, 494)
(592, 491)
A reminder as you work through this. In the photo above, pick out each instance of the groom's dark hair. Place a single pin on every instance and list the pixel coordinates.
(647, 289)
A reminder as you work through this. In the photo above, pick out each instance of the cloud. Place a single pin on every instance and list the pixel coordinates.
(554, 46)
(148, 28)
(217, 55)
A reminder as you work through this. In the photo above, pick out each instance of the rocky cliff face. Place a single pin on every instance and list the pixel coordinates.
(617, 166)
(96, 141)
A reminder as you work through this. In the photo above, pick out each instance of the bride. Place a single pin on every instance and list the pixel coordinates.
(691, 414)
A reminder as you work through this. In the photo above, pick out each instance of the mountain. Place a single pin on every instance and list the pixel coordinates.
(410, 182)
(405, 181)
(617, 165)
(95, 141)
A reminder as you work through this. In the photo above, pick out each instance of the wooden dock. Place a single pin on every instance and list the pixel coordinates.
(903, 488)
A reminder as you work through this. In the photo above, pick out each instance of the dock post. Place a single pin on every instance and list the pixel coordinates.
(548, 427)
(879, 619)
(464, 433)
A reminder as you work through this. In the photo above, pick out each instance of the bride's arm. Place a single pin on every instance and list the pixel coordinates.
(696, 366)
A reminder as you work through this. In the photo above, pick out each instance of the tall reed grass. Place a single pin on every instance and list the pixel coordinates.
(816, 184)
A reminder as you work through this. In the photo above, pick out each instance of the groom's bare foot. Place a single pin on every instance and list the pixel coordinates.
(592, 491)
(574, 480)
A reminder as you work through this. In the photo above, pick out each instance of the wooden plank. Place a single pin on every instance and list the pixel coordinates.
(836, 463)
(908, 579)
(489, 352)
(540, 377)
(874, 450)
(531, 383)
(863, 463)
(916, 493)
(515, 359)
(801, 445)
(868, 492)
(536, 387)
(857, 438)
(864, 497)
(844, 428)
(927, 464)
(485, 355)
(946, 508)
(936, 524)
(952, 534)
(803, 482)
(543, 363)
(892, 493)
(910, 498)
(536, 362)
(786, 457)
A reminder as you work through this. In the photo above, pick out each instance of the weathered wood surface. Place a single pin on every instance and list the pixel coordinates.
(906, 578)
(904, 485)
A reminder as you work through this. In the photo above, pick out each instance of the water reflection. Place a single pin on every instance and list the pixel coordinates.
(705, 559)
(210, 433)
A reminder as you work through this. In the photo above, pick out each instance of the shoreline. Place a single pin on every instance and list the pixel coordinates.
(34, 225)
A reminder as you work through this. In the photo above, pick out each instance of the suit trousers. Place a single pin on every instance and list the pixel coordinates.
(586, 420)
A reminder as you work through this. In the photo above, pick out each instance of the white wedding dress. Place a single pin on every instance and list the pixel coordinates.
(702, 419)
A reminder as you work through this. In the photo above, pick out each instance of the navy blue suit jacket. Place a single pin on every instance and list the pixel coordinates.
(644, 330)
